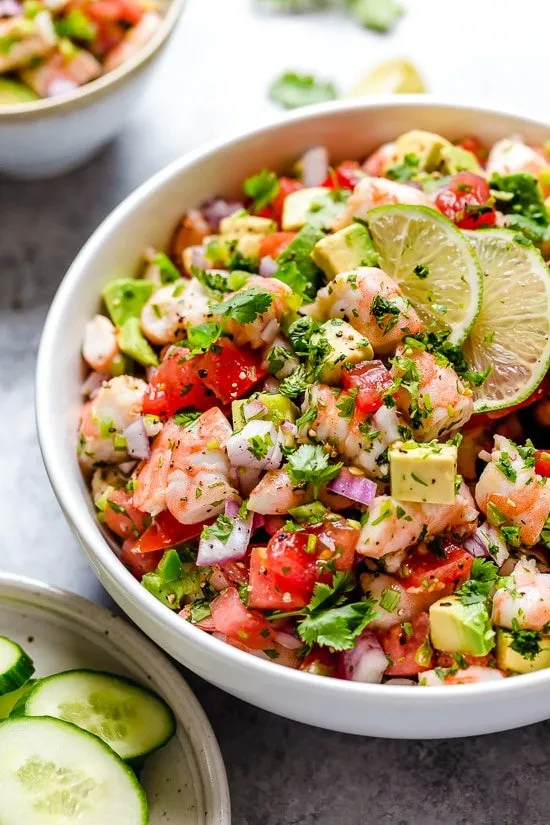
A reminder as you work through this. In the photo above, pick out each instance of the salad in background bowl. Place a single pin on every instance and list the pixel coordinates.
(316, 455)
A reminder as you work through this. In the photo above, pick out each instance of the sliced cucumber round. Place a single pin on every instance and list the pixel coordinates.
(10, 700)
(52, 772)
(131, 719)
(16, 667)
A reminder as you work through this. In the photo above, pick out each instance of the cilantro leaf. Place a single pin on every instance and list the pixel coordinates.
(405, 171)
(259, 445)
(185, 419)
(520, 198)
(309, 415)
(263, 188)
(386, 313)
(525, 642)
(478, 587)
(168, 272)
(199, 610)
(215, 283)
(310, 465)
(446, 354)
(296, 383)
(292, 90)
(220, 530)
(245, 306)
(300, 332)
(337, 627)
(204, 335)
(325, 595)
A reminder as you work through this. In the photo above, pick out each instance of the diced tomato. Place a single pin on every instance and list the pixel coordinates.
(273, 523)
(139, 563)
(122, 518)
(542, 465)
(126, 11)
(274, 210)
(541, 392)
(449, 660)
(230, 371)
(108, 35)
(320, 661)
(176, 385)
(476, 147)
(232, 618)
(409, 653)
(371, 379)
(427, 571)
(235, 571)
(264, 592)
(276, 243)
(166, 531)
(465, 201)
(337, 543)
(346, 176)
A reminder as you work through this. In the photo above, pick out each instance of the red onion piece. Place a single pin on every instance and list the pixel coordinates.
(10, 8)
(239, 447)
(314, 165)
(356, 488)
(137, 443)
(127, 466)
(218, 581)
(93, 384)
(288, 640)
(246, 479)
(198, 257)
(484, 537)
(268, 267)
(253, 408)
(366, 662)
(269, 332)
(217, 209)
(231, 508)
(271, 384)
(213, 551)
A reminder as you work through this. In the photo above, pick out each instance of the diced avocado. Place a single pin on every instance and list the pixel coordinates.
(299, 252)
(12, 91)
(279, 409)
(172, 580)
(508, 659)
(456, 159)
(344, 250)
(132, 341)
(226, 250)
(338, 345)
(423, 472)
(460, 628)
(125, 298)
(297, 206)
(243, 224)
(425, 145)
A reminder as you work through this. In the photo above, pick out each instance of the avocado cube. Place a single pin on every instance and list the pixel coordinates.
(12, 91)
(340, 346)
(132, 342)
(508, 659)
(423, 472)
(427, 146)
(279, 409)
(296, 209)
(125, 298)
(460, 628)
(345, 250)
(243, 224)
(222, 250)
(456, 159)
(299, 252)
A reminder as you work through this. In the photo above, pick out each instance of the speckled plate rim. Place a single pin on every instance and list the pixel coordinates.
(133, 645)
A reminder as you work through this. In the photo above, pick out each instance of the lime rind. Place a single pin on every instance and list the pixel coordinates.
(512, 332)
(407, 237)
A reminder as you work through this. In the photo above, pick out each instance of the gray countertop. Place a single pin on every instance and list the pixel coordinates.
(280, 772)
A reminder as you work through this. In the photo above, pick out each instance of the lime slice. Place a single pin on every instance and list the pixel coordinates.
(391, 77)
(512, 332)
(433, 263)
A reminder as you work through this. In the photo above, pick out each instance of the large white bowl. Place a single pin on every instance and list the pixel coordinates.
(147, 217)
(46, 137)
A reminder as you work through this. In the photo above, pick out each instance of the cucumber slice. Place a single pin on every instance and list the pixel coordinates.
(52, 772)
(16, 667)
(131, 719)
(9, 700)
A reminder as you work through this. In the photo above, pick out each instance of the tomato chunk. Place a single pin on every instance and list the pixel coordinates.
(371, 379)
(276, 243)
(122, 518)
(166, 531)
(126, 11)
(465, 201)
(428, 571)
(542, 465)
(139, 563)
(274, 210)
(408, 647)
(321, 661)
(230, 371)
(232, 618)
(476, 147)
(176, 385)
(345, 176)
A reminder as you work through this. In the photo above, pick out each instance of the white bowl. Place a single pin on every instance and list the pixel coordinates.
(147, 218)
(47, 137)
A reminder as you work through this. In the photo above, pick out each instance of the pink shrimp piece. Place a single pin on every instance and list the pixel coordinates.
(134, 41)
(58, 74)
(26, 40)
(511, 155)
(409, 606)
(265, 327)
(526, 605)
(275, 494)
(473, 675)
(377, 163)
(372, 192)
(100, 345)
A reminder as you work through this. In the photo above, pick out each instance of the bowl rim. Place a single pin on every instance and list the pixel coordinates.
(97, 546)
(89, 92)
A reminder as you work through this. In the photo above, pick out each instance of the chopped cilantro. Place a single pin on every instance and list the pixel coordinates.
(504, 464)
(421, 271)
(300, 332)
(199, 610)
(244, 307)
(519, 195)
(525, 642)
(262, 188)
(447, 354)
(292, 90)
(346, 403)
(386, 313)
(185, 419)
(296, 383)
(478, 587)
(310, 465)
(309, 416)
(277, 358)
(378, 15)
(510, 534)
(214, 282)
(405, 171)
(220, 530)
(204, 335)
(259, 445)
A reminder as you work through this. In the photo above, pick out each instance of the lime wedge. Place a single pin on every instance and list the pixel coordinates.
(512, 332)
(433, 263)
(391, 77)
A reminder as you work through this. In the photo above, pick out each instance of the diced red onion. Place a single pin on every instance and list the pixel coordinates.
(127, 466)
(213, 551)
(198, 258)
(289, 428)
(478, 544)
(247, 479)
(271, 384)
(217, 209)
(137, 443)
(366, 662)
(314, 166)
(268, 267)
(269, 332)
(240, 454)
(253, 408)
(10, 8)
(150, 372)
(93, 384)
(231, 508)
(288, 640)
(356, 488)
(218, 581)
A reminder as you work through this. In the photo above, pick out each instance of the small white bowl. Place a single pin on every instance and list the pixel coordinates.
(47, 137)
(147, 218)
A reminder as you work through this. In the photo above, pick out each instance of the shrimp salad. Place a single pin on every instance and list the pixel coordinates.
(316, 426)
(51, 47)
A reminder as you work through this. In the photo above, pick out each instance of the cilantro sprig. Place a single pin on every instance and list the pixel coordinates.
(263, 188)
(245, 306)
(310, 464)
(478, 588)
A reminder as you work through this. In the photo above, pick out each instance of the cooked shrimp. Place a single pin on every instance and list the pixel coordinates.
(187, 471)
(473, 675)
(371, 192)
(103, 420)
(377, 163)
(265, 327)
(134, 40)
(59, 74)
(372, 303)
(275, 494)
(526, 605)
(362, 442)
(192, 229)
(279, 358)
(433, 397)
(100, 344)
(173, 309)
(510, 486)
(408, 607)
(394, 525)
(26, 40)
(511, 155)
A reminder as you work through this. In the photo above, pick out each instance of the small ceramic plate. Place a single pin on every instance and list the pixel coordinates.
(185, 781)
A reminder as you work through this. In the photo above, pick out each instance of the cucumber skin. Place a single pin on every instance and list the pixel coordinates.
(20, 709)
(19, 673)
(139, 789)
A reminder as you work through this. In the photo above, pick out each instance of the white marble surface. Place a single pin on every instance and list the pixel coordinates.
(212, 80)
